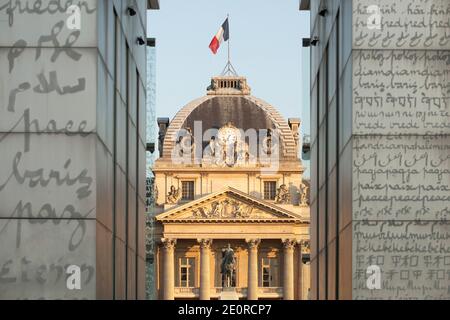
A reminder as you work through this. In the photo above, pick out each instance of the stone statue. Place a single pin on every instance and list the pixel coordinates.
(212, 147)
(304, 194)
(212, 86)
(240, 210)
(212, 154)
(228, 266)
(267, 143)
(178, 149)
(184, 147)
(174, 195)
(283, 195)
(199, 213)
(216, 209)
(242, 154)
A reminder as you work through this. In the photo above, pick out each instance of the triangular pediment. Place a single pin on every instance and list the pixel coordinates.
(228, 205)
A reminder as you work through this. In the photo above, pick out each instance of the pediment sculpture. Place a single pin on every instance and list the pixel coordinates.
(227, 209)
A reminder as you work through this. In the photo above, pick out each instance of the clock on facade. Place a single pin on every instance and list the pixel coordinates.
(228, 135)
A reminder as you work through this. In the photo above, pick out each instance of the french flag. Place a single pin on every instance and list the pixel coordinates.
(222, 35)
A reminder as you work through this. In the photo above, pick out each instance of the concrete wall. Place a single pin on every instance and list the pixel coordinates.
(72, 133)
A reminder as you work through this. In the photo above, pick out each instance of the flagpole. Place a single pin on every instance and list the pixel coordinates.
(229, 69)
(229, 39)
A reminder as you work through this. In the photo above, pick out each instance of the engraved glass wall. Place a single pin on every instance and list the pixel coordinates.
(380, 135)
(401, 154)
(72, 103)
(151, 138)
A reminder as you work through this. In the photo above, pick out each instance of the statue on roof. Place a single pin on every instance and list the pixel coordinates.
(174, 195)
(283, 195)
(304, 201)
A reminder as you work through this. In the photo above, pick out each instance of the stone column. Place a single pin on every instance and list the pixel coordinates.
(252, 286)
(306, 271)
(168, 268)
(205, 274)
(288, 269)
(300, 271)
(303, 270)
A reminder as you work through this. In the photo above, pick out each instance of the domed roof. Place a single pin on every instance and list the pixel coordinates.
(229, 101)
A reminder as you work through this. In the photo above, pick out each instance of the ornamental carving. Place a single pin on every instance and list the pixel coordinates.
(184, 146)
(289, 244)
(283, 195)
(168, 243)
(228, 209)
(305, 245)
(205, 243)
(240, 210)
(253, 243)
(228, 149)
(174, 195)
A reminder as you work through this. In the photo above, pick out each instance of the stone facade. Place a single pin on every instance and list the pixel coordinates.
(230, 174)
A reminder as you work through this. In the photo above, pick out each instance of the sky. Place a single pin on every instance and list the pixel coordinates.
(266, 47)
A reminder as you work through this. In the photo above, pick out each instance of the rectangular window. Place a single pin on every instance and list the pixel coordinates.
(269, 272)
(187, 275)
(270, 190)
(187, 190)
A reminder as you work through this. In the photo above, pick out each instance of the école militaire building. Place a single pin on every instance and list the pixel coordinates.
(229, 173)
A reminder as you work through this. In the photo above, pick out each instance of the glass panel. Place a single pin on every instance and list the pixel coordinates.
(266, 277)
(274, 272)
(265, 272)
(187, 272)
(191, 272)
(270, 190)
(269, 272)
(187, 190)
(183, 277)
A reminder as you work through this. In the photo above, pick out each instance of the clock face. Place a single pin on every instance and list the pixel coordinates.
(228, 135)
